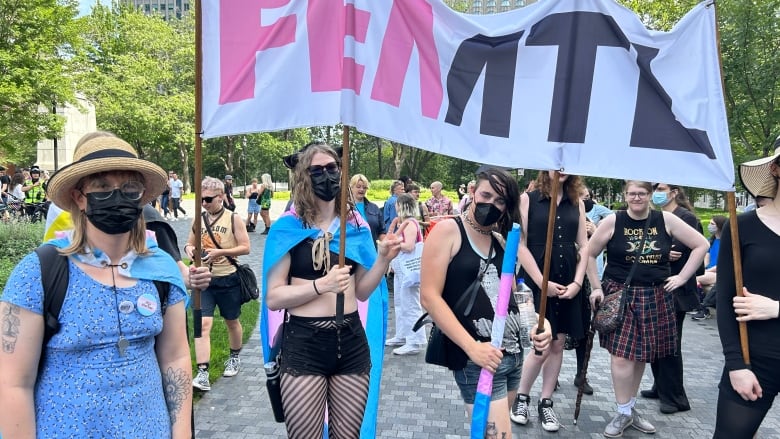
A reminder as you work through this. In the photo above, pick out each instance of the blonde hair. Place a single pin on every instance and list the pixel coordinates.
(405, 206)
(78, 243)
(212, 184)
(357, 178)
(266, 179)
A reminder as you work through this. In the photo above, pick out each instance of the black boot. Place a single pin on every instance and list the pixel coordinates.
(586, 388)
(267, 228)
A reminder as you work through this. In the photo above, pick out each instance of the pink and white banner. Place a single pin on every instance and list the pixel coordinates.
(581, 86)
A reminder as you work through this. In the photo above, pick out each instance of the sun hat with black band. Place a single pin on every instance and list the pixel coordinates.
(756, 176)
(104, 154)
(291, 160)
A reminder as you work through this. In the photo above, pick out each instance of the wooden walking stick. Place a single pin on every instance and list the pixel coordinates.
(548, 254)
(584, 371)
(343, 219)
(732, 205)
(737, 255)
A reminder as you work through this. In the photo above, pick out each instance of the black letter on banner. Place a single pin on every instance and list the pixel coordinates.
(655, 126)
(577, 35)
(498, 55)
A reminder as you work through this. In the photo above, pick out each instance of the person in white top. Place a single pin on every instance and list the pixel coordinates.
(177, 189)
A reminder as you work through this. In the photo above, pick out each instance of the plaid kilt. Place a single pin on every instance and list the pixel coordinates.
(649, 329)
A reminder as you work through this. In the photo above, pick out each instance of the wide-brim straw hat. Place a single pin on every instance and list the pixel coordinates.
(104, 154)
(756, 176)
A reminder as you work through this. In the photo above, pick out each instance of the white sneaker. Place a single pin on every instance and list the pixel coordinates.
(395, 341)
(201, 380)
(232, 365)
(407, 349)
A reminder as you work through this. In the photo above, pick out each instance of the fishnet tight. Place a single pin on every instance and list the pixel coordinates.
(304, 399)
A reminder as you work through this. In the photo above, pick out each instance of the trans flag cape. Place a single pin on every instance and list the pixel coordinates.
(287, 232)
(158, 265)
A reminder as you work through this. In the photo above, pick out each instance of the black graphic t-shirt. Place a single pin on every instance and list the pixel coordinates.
(622, 249)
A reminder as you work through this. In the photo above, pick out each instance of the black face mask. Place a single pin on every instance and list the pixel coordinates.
(326, 185)
(588, 205)
(114, 215)
(486, 214)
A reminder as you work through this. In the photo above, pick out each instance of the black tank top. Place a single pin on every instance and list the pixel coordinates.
(461, 272)
(653, 265)
(302, 265)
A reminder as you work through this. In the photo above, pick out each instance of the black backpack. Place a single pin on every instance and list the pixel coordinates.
(54, 278)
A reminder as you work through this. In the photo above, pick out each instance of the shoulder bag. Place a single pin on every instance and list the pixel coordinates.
(246, 277)
(612, 310)
(408, 264)
(438, 343)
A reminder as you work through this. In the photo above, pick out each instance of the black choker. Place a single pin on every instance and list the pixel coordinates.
(465, 216)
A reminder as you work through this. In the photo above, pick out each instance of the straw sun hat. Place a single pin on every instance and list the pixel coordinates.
(757, 177)
(104, 154)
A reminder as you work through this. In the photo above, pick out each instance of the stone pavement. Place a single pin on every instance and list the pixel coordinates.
(421, 401)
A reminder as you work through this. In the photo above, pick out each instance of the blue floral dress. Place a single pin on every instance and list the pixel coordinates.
(85, 388)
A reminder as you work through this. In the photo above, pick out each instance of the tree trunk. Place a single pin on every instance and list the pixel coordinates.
(399, 153)
(379, 156)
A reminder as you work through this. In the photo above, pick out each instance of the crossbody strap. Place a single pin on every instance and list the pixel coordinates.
(214, 240)
(468, 297)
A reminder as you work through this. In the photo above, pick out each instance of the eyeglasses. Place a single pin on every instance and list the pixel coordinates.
(331, 168)
(208, 199)
(636, 194)
(130, 190)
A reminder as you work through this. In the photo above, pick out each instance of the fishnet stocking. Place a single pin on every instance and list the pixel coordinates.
(304, 398)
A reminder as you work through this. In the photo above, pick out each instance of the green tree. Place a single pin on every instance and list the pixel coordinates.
(138, 70)
(750, 43)
(36, 41)
(750, 51)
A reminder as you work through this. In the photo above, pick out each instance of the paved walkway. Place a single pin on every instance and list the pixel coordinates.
(421, 401)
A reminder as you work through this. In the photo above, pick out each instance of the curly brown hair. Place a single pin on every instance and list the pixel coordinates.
(572, 186)
(304, 198)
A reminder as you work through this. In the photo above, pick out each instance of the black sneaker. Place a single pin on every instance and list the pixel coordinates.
(703, 314)
(547, 415)
(519, 412)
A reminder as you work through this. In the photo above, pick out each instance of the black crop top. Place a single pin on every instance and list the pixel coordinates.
(302, 265)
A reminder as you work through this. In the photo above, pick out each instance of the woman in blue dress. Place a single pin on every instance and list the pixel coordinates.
(119, 366)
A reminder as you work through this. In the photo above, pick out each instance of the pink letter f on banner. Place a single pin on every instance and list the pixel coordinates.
(240, 38)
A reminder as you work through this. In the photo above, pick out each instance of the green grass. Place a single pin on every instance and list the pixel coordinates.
(220, 346)
(705, 215)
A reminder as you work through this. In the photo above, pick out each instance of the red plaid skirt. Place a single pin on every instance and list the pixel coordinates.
(649, 329)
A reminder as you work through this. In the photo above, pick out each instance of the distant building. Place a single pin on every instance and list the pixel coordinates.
(166, 8)
(495, 6)
(79, 120)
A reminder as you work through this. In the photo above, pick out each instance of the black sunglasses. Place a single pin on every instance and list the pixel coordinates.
(317, 170)
(208, 199)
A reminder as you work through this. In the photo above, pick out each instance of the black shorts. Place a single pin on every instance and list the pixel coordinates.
(225, 292)
(316, 346)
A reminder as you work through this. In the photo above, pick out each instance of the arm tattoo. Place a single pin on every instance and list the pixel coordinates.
(176, 388)
(9, 322)
(491, 432)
